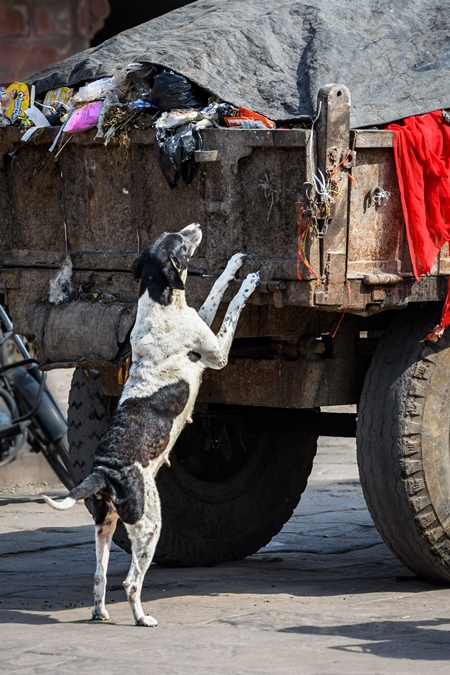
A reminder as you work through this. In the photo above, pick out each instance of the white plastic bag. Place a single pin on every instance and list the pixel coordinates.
(94, 91)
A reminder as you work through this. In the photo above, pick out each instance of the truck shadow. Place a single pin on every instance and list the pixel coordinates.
(415, 640)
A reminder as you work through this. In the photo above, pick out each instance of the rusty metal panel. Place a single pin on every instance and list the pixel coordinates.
(308, 381)
(269, 181)
(97, 194)
(377, 238)
(249, 198)
(285, 384)
(103, 205)
(34, 223)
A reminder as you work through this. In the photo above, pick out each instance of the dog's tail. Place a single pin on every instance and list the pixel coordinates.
(94, 483)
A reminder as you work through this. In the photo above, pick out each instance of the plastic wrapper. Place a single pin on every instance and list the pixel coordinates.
(4, 121)
(103, 88)
(142, 104)
(60, 285)
(15, 99)
(247, 119)
(171, 91)
(93, 91)
(84, 118)
(242, 123)
(176, 118)
(39, 120)
(57, 97)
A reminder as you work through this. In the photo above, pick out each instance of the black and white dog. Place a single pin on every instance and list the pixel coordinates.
(172, 345)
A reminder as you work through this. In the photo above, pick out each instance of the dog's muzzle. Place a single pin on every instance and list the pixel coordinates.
(192, 234)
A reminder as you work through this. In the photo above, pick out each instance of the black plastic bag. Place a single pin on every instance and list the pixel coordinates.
(171, 91)
(175, 150)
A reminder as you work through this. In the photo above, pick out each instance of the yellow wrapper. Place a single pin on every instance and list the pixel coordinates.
(55, 96)
(16, 99)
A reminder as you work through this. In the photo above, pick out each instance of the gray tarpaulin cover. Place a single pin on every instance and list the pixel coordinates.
(274, 55)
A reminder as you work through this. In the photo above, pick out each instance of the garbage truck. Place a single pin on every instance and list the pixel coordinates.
(338, 319)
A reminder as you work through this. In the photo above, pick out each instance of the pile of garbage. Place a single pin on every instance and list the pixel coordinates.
(142, 96)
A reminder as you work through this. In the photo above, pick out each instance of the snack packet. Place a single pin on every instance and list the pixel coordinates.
(54, 97)
(16, 98)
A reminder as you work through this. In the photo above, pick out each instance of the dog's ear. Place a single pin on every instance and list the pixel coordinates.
(173, 272)
(138, 265)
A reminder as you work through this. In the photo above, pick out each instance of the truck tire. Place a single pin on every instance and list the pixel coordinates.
(226, 493)
(403, 442)
(88, 419)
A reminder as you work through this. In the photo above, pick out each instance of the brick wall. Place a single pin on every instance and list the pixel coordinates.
(37, 33)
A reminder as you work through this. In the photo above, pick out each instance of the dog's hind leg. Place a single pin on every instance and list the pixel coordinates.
(103, 537)
(144, 536)
(208, 310)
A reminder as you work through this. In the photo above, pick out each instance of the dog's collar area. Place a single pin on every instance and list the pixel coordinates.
(155, 283)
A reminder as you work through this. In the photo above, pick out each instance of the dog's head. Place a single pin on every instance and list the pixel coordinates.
(167, 258)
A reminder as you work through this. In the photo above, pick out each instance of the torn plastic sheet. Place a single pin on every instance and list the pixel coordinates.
(177, 139)
(58, 136)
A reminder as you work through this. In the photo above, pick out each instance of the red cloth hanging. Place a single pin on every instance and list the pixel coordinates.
(422, 158)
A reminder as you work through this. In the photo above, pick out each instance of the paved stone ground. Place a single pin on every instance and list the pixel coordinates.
(325, 597)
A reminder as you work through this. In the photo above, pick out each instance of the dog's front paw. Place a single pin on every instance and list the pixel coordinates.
(249, 284)
(147, 620)
(100, 616)
(235, 263)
